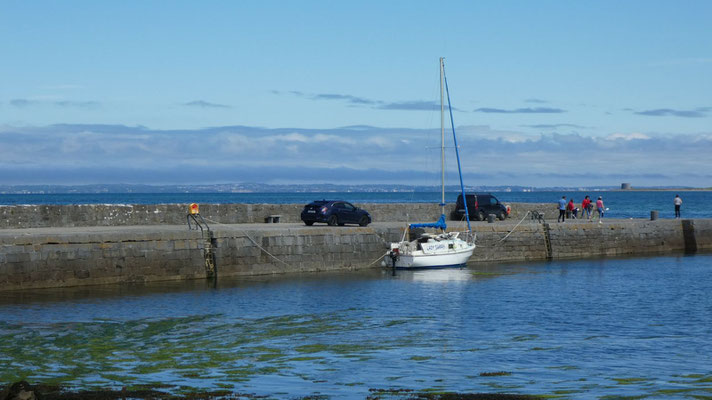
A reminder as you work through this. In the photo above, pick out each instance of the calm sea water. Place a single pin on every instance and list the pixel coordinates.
(621, 204)
(605, 328)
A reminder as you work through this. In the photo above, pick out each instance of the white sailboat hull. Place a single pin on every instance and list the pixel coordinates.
(449, 253)
(418, 261)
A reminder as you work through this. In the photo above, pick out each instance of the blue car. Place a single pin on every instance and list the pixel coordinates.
(334, 212)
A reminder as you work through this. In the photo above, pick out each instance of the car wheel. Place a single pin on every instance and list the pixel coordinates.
(502, 215)
(332, 221)
(363, 221)
(308, 223)
(480, 215)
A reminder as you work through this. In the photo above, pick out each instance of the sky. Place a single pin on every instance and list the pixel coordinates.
(545, 93)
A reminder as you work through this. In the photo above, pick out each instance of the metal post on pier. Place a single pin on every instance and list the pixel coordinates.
(209, 241)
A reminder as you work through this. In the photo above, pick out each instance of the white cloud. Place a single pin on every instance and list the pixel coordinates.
(628, 136)
(489, 156)
(294, 137)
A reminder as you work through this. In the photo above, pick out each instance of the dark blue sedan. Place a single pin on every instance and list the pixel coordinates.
(334, 212)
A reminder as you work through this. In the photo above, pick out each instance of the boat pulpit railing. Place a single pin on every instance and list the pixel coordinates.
(471, 237)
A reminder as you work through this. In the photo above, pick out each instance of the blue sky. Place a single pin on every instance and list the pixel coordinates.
(551, 93)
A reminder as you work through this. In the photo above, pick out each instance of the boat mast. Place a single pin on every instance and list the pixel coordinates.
(457, 150)
(442, 138)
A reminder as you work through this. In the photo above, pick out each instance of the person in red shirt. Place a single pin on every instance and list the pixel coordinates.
(571, 209)
(586, 207)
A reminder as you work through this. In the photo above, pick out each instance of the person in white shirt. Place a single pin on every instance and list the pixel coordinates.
(678, 203)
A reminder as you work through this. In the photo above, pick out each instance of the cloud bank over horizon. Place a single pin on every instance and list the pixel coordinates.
(85, 153)
(699, 112)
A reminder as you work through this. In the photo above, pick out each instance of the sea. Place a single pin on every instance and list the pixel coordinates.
(620, 203)
(610, 328)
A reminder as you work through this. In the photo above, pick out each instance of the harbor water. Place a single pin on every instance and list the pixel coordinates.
(603, 328)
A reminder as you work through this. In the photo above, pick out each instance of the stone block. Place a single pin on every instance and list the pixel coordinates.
(81, 274)
(178, 244)
(17, 257)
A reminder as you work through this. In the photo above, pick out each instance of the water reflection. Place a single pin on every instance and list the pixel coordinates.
(78, 293)
(439, 275)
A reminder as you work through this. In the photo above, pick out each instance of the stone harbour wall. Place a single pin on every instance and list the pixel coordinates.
(52, 257)
(45, 216)
(72, 256)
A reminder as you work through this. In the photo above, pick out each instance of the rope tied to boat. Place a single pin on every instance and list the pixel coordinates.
(277, 258)
(493, 248)
(254, 242)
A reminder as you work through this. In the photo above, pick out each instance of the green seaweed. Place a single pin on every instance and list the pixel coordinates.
(420, 358)
(629, 381)
(682, 390)
(565, 367)
(311, 348)
(524, 338)
(305, 358)
(396, 322)
(499, 386)
(691, 376)
(569, 391)
(497, 373)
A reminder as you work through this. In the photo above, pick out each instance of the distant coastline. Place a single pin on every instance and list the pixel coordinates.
(302, 188)
(671, 189)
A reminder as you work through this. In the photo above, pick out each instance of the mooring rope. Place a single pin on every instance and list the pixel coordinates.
(493, 248)
(377, 259)
(276, 258)
(515, 226)
(491, 253)
(253, 241)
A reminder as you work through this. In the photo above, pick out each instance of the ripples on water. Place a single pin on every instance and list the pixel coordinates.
(583, 329)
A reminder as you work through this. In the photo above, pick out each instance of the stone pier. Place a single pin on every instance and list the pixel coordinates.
(60, 246)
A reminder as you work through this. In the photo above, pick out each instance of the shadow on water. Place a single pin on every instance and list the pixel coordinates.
(134, 289)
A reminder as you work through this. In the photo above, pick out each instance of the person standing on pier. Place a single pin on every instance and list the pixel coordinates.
(586, 207)
(678, 202)
(562, 210)
(599, 209)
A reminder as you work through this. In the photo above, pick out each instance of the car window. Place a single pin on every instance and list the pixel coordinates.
(338, 205)
(349, 207)
(493, 201)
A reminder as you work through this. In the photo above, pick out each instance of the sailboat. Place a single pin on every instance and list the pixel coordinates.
(444, 249)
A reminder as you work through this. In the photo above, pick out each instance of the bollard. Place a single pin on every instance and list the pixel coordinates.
(654, 215)
(491, 218)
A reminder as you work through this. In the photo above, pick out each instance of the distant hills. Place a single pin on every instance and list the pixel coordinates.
(271, 188)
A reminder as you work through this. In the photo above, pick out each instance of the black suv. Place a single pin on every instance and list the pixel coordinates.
(334, 212)
(479, 205)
